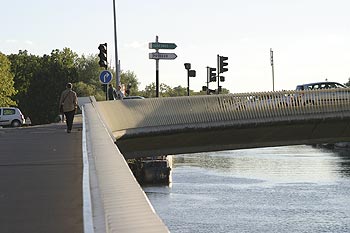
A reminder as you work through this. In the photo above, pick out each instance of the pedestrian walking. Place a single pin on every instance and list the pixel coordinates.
(68, 105)
(112, 93)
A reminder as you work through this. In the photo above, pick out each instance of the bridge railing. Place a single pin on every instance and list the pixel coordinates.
(159, 114)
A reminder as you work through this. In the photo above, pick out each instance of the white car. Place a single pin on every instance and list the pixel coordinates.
(11, 117)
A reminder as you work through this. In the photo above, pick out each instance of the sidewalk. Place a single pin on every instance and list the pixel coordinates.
(41, 179)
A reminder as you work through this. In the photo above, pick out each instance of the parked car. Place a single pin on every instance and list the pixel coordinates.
(319, 85)
(133, 97)
(321, 92)
(11, 117)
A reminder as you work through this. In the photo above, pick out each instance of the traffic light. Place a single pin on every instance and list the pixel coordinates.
(212, 74)
(103, 55)
(192, 73)
(222, 64)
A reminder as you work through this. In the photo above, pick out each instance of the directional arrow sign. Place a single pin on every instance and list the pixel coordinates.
(105, 77)
(165, 56)
(157, 45)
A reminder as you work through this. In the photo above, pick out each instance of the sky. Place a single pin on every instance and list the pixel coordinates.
(309, 38)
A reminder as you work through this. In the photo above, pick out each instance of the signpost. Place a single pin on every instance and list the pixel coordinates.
(157, 45)
(105, 78)
(163, 56)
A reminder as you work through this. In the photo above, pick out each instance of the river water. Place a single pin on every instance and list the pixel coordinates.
(279, 189)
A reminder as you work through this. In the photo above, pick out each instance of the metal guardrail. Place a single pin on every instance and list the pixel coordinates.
(204, 111)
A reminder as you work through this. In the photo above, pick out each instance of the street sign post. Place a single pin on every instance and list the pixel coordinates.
(157, 56)
(157, 45)
(105, 77)
(164, 56)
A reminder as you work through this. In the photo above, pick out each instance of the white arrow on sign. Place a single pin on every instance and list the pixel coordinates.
(166, 56)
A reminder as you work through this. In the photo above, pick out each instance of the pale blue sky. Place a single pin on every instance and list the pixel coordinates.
(310, 38)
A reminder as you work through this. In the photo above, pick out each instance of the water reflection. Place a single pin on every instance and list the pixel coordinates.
(277, 164)
(344, 161)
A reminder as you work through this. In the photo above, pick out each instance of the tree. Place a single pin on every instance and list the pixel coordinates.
(88, 73)
(225, 91)
(150, 91)
(165, 91)
(7, 89)
(128, 78)
(56, 70)
(348, 83)
(23, 66)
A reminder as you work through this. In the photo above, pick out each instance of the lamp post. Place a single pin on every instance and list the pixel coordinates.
(117, 62)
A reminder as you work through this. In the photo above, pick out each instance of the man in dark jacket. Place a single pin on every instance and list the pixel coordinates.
(69, 103)
(111, 92)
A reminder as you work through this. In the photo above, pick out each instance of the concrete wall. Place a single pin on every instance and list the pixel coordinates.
(118, 204)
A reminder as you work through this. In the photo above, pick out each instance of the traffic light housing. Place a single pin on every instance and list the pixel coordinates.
(103, 55)
(223, 64)
(212, 74)
(192, 73)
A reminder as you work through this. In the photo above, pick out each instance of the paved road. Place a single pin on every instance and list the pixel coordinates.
(41, 179)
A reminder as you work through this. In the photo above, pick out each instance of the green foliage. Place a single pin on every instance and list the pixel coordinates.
(84, 89)
(225, 91)
(7, 89)
(150, 91)
(129, 78)
(88, 73)
(24, 66)
(48, 82)
(348, 83)
(165, 91)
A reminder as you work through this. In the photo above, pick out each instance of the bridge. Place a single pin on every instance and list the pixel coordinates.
(162, 126)
(112, 131)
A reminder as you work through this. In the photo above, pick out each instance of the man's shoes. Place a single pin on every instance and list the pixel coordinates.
(68, 131)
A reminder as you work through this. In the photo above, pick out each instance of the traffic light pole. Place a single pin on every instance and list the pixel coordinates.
(218, 73)
(208, 79)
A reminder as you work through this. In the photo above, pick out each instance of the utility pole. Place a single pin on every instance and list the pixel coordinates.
(273, 71)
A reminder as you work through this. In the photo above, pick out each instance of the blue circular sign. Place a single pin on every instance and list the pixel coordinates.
(105, 77)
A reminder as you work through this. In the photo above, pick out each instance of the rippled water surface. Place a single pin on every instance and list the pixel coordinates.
(280, 189)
